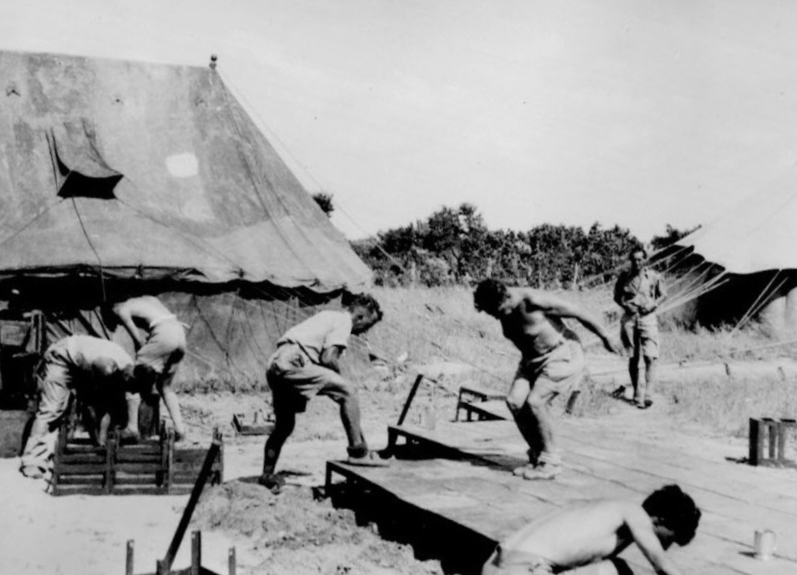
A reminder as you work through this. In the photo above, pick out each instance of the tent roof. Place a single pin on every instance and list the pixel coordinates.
(129, 166)
(755, 235)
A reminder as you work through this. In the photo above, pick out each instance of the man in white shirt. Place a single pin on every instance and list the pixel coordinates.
(306, 364)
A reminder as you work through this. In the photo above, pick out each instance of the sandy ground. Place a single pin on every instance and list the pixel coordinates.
(41, 534)
(289, 533)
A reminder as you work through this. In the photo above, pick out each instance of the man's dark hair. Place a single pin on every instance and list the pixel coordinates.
(488, 295)
(365, 300)
(675, 510)
(638, 249)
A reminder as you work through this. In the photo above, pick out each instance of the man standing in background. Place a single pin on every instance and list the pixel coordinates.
(640, 291)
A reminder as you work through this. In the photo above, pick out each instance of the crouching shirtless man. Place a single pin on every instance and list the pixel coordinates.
(585, 538)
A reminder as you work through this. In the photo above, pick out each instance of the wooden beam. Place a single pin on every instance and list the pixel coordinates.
(232, 564)
(129, 562)
(413, 390)
(196, 552)
(207, 466)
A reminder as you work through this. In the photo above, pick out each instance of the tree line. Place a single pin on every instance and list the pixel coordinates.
(454, 246)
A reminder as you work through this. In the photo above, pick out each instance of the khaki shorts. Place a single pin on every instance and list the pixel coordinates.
(560, 371)
(640, 334)
(294, 379)
(164, 348)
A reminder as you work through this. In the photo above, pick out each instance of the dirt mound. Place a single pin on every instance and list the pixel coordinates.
(293, 533)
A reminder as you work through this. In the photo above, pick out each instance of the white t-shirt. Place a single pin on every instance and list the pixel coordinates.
(325, 329)
(83, 351)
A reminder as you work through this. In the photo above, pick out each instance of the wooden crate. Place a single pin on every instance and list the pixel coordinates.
(767, 445)
(152, 467)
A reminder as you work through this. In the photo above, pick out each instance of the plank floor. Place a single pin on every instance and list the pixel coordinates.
(469, 482)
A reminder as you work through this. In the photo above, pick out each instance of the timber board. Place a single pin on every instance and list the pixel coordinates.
(736, 499)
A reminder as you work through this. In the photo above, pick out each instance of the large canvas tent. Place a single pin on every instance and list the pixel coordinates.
(754, 244)
(118, 174)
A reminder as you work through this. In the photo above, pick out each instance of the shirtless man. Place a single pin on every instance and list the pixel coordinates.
(639, 291)
(552, 362)
(157, 358)
(306, 364)
(585, 538)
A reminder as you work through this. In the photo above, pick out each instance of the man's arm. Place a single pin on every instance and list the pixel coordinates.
(619, 293)
(330, 357)
(658, 293)
(641, 528)
(558, 307)
(122, 311)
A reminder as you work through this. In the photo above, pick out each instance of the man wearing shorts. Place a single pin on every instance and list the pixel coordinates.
(306, 364)
(585, 538)
(94, 367)
(639, 291)
(159, 353)
(551, 364)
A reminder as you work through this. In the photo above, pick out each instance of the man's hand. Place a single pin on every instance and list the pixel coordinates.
(632, 308)
(330, 358)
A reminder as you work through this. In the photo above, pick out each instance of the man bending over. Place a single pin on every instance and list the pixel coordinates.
(306, 364)
(552, 362)
(585, 538)
(96, 368)
(160, 347)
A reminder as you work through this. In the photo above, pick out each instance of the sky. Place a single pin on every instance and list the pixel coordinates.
(640, 113)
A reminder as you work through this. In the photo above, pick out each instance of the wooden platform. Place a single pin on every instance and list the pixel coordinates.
(468, 483)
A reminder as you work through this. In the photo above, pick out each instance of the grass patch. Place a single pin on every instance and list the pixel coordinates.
(726, 404)
(439, 326)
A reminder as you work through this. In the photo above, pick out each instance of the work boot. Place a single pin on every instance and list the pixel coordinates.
(361, 456)
(549, 465)
(543, 471)
(272, 482)
(521, 471)
(533, 455)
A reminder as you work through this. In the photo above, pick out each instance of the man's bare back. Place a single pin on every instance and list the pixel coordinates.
(579, 535)
(141, 312)
(528, 326)
(146, 309)
(532, 320)
(595, 532)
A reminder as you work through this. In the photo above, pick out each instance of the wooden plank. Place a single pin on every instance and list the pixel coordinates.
(779, 488)
(487, 504)
(82, 469)
(71, 459)
(123, 480)
(626, 467)
(138, 468)
(636, 480)
(476, 519)
(146, 459)
(500, 443)
(88, 480)
(80, 490)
